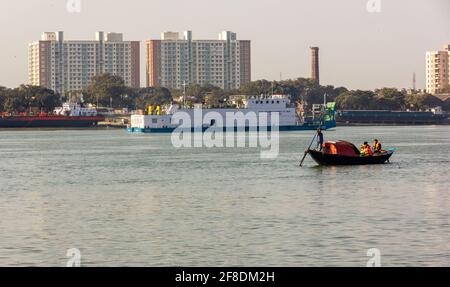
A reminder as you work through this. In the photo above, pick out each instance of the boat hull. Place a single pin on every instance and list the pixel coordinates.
(389, 117)
(333, 159)
(306, 127)
(49, 122)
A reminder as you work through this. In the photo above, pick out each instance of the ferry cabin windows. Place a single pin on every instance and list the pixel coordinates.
(155, 121)
(267, 102)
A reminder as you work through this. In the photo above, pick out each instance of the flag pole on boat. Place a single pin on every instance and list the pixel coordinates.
(315, 135)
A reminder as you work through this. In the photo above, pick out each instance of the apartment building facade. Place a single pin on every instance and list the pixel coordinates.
(437, 71)
(174, 61)
(64, 66)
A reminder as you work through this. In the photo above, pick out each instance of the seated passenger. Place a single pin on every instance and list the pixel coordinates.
(377, 148)
(366, 150)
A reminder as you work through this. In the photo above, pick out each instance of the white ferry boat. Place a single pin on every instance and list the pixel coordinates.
(158, 121)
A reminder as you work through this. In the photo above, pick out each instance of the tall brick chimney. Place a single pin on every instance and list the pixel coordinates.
(315, 75)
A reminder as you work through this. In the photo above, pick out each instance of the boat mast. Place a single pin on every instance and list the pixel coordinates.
(324, 107)
(184, 94)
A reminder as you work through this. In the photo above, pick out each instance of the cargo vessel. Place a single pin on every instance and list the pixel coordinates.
(227, 119)
(69, 115)
(434, 116)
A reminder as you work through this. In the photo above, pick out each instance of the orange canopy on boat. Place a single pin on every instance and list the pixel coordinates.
(341, 148)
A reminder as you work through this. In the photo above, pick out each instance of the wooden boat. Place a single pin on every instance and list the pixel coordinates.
(345, 153)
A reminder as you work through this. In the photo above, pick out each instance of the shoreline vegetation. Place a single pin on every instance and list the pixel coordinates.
(110, 91)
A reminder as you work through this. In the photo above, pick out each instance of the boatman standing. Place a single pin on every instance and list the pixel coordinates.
(319, 139)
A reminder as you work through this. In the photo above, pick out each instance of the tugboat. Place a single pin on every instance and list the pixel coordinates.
(69, 115)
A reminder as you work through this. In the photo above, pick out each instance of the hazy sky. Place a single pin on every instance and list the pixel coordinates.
(358, 49)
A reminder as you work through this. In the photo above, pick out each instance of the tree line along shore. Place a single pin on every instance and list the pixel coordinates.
(110, 91)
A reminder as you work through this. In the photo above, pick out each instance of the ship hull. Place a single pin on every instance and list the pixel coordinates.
(389, 117)
(305, 127)
(49, 122)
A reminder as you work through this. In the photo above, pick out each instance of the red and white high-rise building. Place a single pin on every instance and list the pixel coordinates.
(174, 61)
(65, 66)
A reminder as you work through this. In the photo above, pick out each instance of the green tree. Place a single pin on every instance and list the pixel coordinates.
(161, 96)
(355, 100)
(389, 99)
(45, 99)
(152, 97)
(196, 91)
(13, 104)
(26, 97)
(206, 94)
(107, 90)
(215, 99)
(37, 97)
(3, 95)
(423, 101)
(256, 88)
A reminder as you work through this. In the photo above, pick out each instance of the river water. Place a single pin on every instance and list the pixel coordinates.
(135, 200)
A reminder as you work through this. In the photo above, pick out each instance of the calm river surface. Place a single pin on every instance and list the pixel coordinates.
(134, 200)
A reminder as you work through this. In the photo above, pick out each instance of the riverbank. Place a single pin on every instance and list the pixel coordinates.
(118, 122)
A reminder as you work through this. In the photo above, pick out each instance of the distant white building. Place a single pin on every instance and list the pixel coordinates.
(64, 66)
(437, 70)
(173, 61)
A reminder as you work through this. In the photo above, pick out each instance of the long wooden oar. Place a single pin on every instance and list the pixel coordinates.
(306, 151)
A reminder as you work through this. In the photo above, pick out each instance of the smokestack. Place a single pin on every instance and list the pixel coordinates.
(315, 76)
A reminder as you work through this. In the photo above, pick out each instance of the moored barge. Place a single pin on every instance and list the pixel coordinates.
(69, 115)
